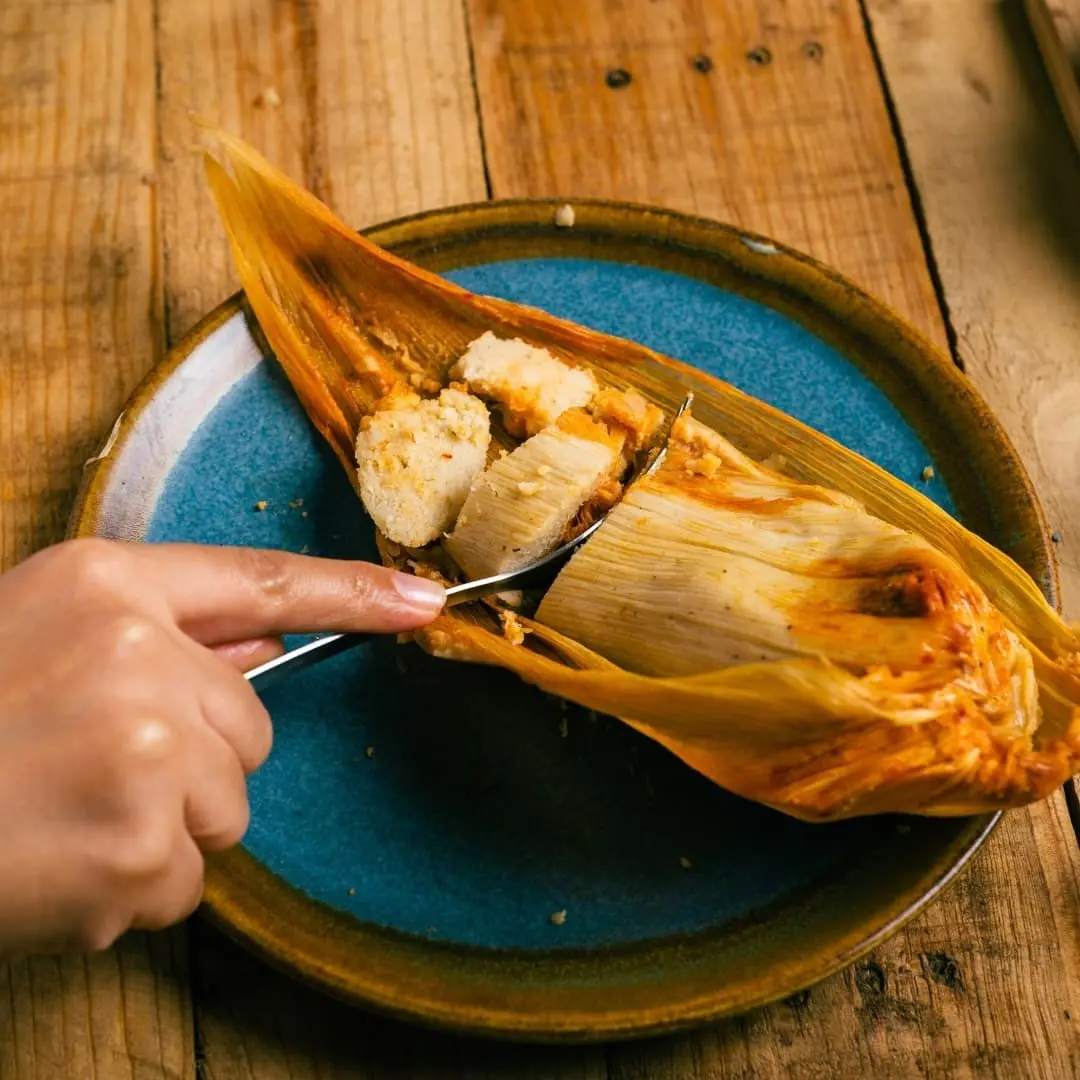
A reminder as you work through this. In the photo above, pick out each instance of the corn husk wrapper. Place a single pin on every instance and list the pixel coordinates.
(813, 734)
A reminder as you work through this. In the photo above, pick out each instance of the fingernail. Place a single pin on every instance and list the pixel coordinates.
(420, 593)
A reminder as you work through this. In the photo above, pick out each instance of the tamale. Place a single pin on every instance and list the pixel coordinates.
(521, 507)
(877, 656)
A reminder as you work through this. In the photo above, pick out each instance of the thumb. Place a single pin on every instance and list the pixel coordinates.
(230, 594)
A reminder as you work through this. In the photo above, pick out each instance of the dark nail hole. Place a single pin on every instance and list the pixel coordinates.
(945, 970)
(813, 50)
(760, 56)
(617, 78)
(702, 63)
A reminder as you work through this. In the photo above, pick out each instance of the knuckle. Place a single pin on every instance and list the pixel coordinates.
(269, 572)
(99, 934)
(142, 741)
(91, 565)
(363, 590)
(174, 898)
(128, 636)
(240, 717)
(144, 851)
(262, 736)
(229, 831)
(192, 898)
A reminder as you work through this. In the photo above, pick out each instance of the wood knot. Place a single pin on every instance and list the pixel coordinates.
(702, 63)
(813, 50)
(870, 980)
(618, 78)
(759, 55)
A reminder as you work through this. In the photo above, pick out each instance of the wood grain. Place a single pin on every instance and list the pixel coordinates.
(77, 259)
(120, 1015)
(1057, 61)
(370, 105)
(786, 132)
(78, 294)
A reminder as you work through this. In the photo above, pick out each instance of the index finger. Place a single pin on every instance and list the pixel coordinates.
(228, 594)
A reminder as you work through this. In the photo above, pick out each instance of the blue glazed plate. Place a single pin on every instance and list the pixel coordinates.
(419, 823)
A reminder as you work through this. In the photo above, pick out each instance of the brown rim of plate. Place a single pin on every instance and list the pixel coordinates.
(676, 982)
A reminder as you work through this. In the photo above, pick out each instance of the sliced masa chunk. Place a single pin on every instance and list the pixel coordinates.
(520, 508)
(531, 387)
(416, 461)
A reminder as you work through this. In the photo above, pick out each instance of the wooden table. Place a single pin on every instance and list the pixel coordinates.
(913, 144)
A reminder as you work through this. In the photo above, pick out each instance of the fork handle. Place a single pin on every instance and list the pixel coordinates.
(314, 652)
(265, 675)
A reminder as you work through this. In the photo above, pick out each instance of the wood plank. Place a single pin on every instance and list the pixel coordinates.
(1066, 16)
(370, 105)
(77, 264)
(786, 133)
(1057, 61)
(78, 295)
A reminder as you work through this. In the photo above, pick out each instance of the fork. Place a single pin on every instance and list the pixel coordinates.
(540, 572)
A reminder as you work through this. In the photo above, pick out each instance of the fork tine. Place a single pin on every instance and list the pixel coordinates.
(657, 454)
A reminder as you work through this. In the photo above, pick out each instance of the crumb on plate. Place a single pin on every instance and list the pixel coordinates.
(564, 216)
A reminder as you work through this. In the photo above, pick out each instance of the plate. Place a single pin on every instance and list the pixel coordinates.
(445, 844)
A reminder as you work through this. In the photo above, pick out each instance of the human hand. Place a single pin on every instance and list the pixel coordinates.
(127, 728)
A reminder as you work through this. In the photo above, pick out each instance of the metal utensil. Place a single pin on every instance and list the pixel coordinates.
(537, 573)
